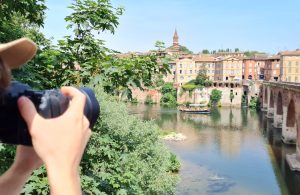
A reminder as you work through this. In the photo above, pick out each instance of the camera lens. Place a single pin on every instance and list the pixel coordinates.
(92, 107)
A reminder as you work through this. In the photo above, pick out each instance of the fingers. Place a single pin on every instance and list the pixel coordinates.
(78, 99)
(27, 111)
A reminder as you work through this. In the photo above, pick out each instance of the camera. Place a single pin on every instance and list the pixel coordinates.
(49, 104)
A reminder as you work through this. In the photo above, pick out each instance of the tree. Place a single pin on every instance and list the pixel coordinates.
(205, 51)
(236, 50)
(169, 95)
(215, 96)
(160, 46)
(185, 49)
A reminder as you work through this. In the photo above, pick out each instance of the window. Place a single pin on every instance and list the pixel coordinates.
(182, 77)
(180, 65)
(297, 63)
(296, 70)
(191, 65)
(274, 72)
(290, 63)
(191, 71)
(296, 79)
(277, 65)
(180, 71)
(290, 69)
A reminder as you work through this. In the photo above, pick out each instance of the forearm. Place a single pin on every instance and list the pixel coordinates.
(13, 180)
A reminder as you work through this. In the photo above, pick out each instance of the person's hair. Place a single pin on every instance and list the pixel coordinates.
(5, 76)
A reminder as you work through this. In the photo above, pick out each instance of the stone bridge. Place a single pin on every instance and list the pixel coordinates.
(281, 102)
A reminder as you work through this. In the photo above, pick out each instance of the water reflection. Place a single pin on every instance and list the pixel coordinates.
(230, 151)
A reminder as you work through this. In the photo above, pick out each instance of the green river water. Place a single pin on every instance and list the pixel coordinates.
(229, 152)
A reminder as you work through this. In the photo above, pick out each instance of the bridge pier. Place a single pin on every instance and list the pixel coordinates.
(294, 160)
(270, 113)
(289, 134)
(277, 120)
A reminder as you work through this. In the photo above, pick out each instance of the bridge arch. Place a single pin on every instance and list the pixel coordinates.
(279, 110)
(291, 114)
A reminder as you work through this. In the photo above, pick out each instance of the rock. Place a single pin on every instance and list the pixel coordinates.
(175, 137)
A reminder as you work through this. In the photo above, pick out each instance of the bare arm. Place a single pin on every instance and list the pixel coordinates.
(13, 180)
(60, 142)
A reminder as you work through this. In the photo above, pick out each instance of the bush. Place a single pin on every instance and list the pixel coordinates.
(254, 103)
(134, 101)
(169, 95)
(124, 156)
(175, 164)
(168, 88)
(149, 100)
(168, 100)
(215, 96)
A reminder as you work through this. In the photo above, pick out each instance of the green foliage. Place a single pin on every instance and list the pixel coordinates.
(149, 100)
(126, 155)
(244, 100)
(175, 164)
(215, 96)
(187, 104)
(168, 100)
(252, 53)
(189, 87)
(205, 51)
(185, 49)
(231, 96)
(134, 101)
(254, 103)
(33, 10)
(168, 88)
(169, 95)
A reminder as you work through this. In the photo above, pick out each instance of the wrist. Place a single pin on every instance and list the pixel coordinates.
(63, 180)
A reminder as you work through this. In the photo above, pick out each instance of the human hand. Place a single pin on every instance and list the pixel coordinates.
(59, 142)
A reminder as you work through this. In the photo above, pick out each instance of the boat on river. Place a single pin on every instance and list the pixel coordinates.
(195, 108)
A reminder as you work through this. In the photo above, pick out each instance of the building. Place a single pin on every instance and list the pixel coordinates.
(253, 68)
(290, 66)
(229, 69)
(205, 63)
(272, 68)
(185, 70)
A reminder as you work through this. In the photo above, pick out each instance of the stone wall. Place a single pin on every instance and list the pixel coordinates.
(141, 95)
(199, 96)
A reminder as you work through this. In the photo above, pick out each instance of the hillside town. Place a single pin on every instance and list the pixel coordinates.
(230, 66)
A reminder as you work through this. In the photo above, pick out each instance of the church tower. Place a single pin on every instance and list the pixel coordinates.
(176, 41)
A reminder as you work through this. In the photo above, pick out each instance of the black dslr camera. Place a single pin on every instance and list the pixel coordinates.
(49, 104)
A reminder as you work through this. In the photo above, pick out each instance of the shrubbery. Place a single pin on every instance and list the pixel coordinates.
(215, 96)
(254, 103)
(169, 95)
(149, 100)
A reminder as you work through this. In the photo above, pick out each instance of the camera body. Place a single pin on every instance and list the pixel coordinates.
(49, 104)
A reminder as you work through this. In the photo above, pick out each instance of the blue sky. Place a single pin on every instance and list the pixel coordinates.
(264, 25)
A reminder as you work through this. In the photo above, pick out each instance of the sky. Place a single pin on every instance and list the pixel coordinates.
(264, 25)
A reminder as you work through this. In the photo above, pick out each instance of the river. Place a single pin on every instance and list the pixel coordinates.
(229, 152)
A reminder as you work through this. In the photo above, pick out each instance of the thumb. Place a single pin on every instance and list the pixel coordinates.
(27, 110)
